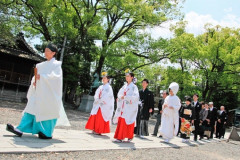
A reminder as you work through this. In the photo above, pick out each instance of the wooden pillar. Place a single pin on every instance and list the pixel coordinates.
(30, 75)
(12, 72)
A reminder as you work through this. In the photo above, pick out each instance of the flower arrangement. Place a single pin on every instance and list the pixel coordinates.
(104, 74)
(127, 71)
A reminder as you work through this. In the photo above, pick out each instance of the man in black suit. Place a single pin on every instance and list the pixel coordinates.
(213, 117)
(144, 111)
(197, 107)
(221, 121)
(161, 101)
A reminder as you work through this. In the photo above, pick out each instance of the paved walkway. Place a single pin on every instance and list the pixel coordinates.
(74, 140)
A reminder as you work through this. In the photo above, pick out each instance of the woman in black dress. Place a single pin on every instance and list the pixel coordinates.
(187, 115)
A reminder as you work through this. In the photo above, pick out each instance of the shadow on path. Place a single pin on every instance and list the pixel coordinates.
(126, 144)
(171, 145)
(99, 136)
(32, 141)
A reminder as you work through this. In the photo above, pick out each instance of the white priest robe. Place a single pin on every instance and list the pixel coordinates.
(170, 117)
(127, 108)
(45, 100)
(105, 102)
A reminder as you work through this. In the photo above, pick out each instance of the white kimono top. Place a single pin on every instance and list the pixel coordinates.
(104, 99)
(45, 100)
(127, 108)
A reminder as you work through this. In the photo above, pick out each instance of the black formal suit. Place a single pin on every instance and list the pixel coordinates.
(160, 103)
(213, 118)
(197, 107)
(147, 99)
(179, 112)
(221, 119)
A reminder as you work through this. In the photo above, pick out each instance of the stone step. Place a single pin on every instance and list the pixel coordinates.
(11, 99)
(13, 95)
(12, 92)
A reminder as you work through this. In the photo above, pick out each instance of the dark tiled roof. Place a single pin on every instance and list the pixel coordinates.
(20, 53)
(21, 49)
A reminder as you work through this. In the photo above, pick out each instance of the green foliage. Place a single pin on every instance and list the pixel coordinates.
(207, 64)
(213, 60)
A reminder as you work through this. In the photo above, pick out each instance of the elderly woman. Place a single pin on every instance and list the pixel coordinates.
(205, 121)
(202, 117)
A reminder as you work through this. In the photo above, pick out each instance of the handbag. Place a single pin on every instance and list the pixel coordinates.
(193, 128)
(207, 133)
(187, 112)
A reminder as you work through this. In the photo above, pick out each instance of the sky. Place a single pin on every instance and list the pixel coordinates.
(226, 13)
(197, 13)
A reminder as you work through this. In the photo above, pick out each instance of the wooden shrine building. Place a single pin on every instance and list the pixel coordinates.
(16, 68)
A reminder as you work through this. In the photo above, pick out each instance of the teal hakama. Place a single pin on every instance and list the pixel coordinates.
(28, 124)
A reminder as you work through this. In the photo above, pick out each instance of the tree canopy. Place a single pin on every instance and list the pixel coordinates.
(207, 64)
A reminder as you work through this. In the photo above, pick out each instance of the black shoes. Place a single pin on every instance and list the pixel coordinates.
(43, 136)
(10, 128)
(155, 135)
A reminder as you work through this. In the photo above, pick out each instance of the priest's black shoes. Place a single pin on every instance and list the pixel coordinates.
(43, 136)
(10, 128)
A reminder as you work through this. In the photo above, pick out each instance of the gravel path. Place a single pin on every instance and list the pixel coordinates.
(11, 113)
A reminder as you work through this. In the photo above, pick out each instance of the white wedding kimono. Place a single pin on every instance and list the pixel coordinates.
(45, 100)
(127, 108)
(105, 102)
(170, 117)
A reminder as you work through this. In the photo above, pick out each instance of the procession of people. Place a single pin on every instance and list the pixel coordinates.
(44, 109)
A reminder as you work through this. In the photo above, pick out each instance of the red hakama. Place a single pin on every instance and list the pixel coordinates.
(97, 123)
(123, 130)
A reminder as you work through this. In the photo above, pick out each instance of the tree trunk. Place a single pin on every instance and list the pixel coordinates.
(65, 91)
(182, 69)
(100, 64)
(102, 57)
(205, 91)
(62, 51)
(72, 95)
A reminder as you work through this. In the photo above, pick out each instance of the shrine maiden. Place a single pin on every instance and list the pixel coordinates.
(127, 108)
(103, 106)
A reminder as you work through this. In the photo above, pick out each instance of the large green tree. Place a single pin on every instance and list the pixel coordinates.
(218, 58)
(212, 59)
(81, 22)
